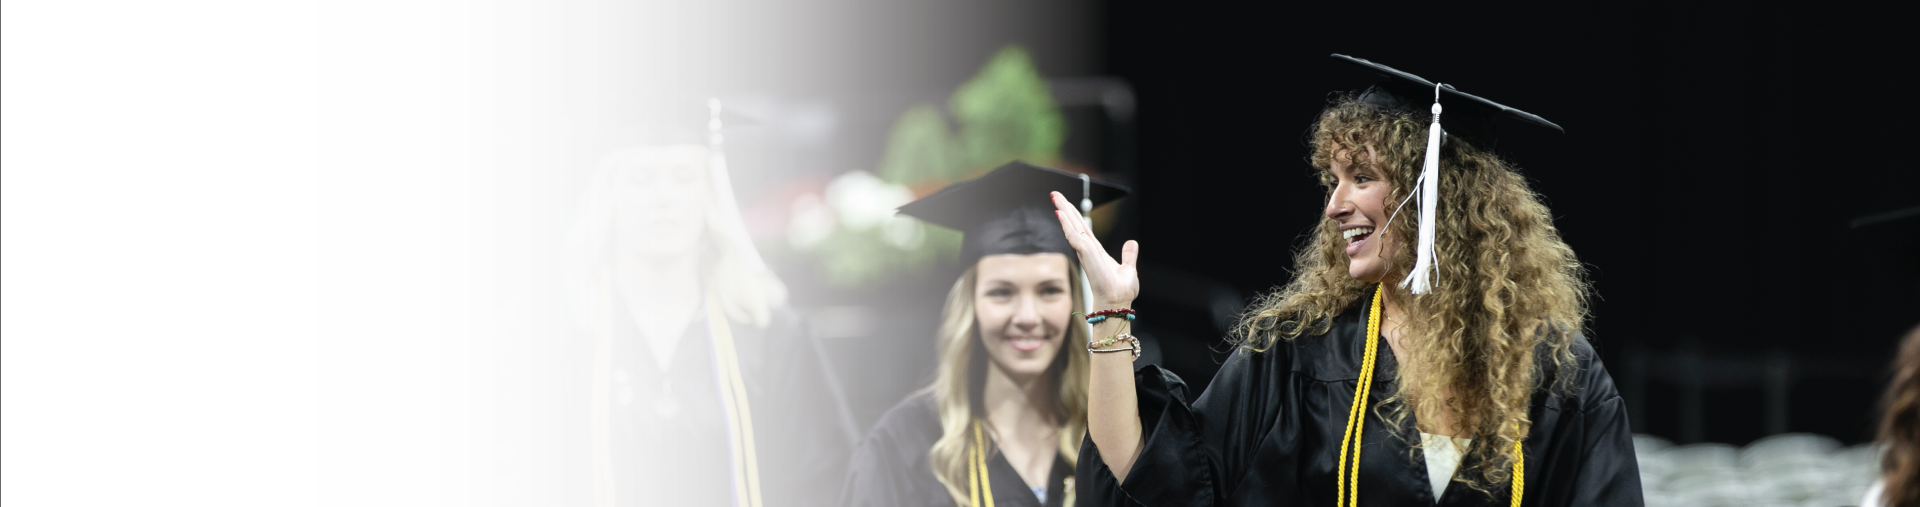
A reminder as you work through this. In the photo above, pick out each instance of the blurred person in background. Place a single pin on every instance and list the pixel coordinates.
(1003, 421)
(1487, 394)
(705, 390)
(1899, 484)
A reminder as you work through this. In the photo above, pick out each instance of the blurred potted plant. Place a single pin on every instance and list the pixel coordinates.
(1003, 113)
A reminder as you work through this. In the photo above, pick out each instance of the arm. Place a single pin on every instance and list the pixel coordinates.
(1609, 471)
(1113, 412)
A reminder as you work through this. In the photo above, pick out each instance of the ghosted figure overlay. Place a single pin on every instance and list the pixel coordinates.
(703, 388)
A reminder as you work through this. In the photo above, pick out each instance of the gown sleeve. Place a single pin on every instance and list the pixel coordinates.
(1194, 452)
(890, 467)
(875, 478)
(804, 441)
(1609, 473)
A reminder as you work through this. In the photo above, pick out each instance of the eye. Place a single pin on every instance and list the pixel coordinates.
(1000, 293)
(1362, 178)
(686, 173)
(1052, 291)
(642, 175)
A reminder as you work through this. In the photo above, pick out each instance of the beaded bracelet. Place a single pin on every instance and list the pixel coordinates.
(1101, 316)
(1133, 345)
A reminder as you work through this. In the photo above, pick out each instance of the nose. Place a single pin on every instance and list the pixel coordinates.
(1337, 205)
(1026, 315)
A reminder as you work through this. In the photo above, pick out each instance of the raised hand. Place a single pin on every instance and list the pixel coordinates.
(1114, 284)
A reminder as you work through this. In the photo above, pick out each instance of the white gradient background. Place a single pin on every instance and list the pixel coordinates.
(302, 253)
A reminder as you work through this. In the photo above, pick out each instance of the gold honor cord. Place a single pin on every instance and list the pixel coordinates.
(1356, 421)
(1348, 493)
(733, 393)
(979, 486)
(1519, 473)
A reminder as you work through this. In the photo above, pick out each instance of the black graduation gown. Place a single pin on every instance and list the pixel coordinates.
(890, 467)
(682, 456)
(1267, 431)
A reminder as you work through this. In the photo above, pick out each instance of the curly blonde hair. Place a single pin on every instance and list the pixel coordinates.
(1507, 287)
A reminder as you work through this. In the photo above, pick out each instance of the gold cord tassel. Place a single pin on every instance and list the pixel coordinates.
(733, 391)
(979, 486)
(1348, 491)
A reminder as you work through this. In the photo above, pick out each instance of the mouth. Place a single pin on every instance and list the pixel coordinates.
(1356, 237)
(1026, 344)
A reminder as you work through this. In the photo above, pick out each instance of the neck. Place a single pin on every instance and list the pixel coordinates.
(665, 290)
(1390, 305)
(1022, 406)
(1393, 324)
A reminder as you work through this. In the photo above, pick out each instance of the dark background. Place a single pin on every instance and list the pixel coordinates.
(1713, 162)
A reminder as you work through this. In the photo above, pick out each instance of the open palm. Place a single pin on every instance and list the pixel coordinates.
(1114, 284)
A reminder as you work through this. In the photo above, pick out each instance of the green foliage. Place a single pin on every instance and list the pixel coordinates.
(920, 149)
(1005, 113)
(856, 258)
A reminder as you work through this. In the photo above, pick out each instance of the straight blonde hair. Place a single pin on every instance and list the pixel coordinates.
(961, 373)
(730, 268)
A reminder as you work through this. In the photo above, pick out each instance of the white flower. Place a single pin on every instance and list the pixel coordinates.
(903, 232)
(810, 223)
(862, 201)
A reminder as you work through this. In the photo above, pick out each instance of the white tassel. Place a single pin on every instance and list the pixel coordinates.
(1428, 191)
(1086, 213)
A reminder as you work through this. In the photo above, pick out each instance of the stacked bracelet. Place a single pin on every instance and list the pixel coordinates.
(1101, 316)
(1133, 345)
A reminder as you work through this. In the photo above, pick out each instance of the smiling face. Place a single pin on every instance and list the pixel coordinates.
(1022, 305)
(1358, 205)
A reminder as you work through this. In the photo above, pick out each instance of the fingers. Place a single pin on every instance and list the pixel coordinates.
(1129, 253)
(1069, 215)
(1074, 227)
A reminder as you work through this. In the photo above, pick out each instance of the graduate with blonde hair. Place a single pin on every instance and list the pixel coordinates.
(1003, 421)
(704, 388)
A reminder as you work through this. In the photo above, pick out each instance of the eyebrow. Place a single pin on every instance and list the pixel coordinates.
(992, 282)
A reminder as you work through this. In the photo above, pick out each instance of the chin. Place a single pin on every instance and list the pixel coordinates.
(1026, 366)
(1365, 272)
(1029, 370)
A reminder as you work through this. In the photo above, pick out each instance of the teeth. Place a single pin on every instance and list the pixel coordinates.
(1350, 233)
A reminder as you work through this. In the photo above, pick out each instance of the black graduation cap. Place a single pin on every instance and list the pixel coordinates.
(1009, 211)
(1467, 116)
(684, 120)
(1462, 115)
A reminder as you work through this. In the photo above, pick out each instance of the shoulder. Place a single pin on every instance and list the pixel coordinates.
(891, 465)
(907, 423)
(785, 331)
(784, 325)
(917, 410)
(1586, 380)
(1332, 356)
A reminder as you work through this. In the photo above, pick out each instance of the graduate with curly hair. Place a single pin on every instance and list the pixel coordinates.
(1427, 351)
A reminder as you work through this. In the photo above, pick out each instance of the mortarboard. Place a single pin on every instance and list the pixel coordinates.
(1471, 118)
(1009, 211)
(683, 120)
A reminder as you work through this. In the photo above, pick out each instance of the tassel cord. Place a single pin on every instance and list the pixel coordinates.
(1422, 279)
